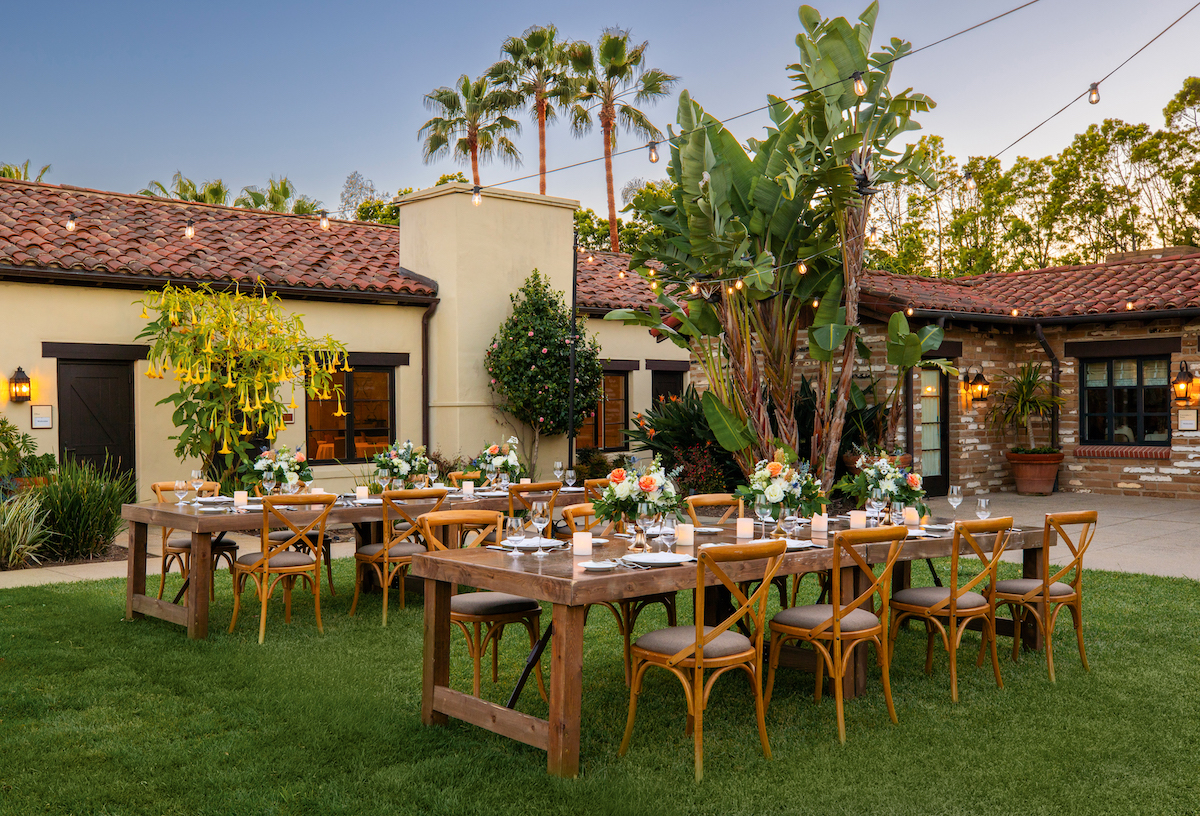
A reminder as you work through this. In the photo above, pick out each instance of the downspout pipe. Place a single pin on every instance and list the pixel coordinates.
(1055, 369)
(425, 317)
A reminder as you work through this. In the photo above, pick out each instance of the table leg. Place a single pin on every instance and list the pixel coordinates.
(854, 683)
(436, 670)
(135, 582)
(566, 690)
(199, 586)
(1031, 567)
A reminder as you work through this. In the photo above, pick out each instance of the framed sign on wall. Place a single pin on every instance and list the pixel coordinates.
(41, 416)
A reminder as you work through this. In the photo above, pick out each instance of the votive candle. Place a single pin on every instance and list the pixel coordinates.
(858, 519)
(911, 517)
(745, 528)
(685, 535)
(526, 480)
(820, 523)
(240, 498)
(361, 492)
(468, 489)
(581, 543)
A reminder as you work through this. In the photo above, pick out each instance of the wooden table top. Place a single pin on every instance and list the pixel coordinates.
(559, 577)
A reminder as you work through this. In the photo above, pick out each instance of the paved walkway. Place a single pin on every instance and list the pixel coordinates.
(1155, 536)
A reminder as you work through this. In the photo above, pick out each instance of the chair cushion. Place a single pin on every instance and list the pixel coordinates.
(405, 547)
(491, 603)
(675, 638)
(807, 617)
(185, 543)
(1020, 586)
(284, 535)
(287, 558)
(928, 596)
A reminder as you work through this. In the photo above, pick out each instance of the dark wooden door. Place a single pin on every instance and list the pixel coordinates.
(95, 403)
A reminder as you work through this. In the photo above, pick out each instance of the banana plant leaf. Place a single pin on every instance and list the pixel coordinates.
(732, 433)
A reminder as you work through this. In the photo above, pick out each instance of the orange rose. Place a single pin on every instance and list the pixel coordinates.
(774, 468)
(647, 484)
(617, 475)
(494, 449)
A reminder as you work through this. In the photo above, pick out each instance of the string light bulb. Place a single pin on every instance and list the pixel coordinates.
(694, 288)
(477, 195)
(620, 274)
(1129, 305)
(872, 233)
(71, 222)
(1094, 93)
(738, 285)
(190, 230)
(802, 268)
(729, 290)
(816, 303)
(654, 285)
(324, 220)
(1015, 312)
(591, 258)
(969, 180)
(860, 84)
(909, 311)
(653, 152)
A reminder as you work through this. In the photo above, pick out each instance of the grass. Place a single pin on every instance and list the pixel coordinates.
(103, 716)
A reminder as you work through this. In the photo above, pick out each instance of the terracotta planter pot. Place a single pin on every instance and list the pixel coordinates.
(849, 460)
(1034, 472)
(24, 483)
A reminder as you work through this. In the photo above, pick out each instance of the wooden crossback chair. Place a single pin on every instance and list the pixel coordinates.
(305, 543)
(276, 561)
(949, 610)
(391, 558)
(582, 517)
(457, 477)
(522, 496)
(728, 501)
(1043, 599)
(179, 549)
(835, 629)
(483, 615)
(686, 651)
(593, 489)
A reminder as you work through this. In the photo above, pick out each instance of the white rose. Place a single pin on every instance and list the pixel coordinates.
(498, 462)
(512, 458)
(292, 478)
(623, 489)
(774, 493)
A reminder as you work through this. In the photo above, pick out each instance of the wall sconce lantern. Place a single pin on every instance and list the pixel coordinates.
(18, 386)
(978, 387)
(1181, 384)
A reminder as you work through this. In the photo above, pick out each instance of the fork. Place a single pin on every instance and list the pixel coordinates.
(631, 565)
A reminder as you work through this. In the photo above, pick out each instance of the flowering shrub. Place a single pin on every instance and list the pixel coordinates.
(627, 488)
(676, 424)
(403, 461)
(288, 466)
(897, 484)
(785, 484)
(501, 456)
(699, 468)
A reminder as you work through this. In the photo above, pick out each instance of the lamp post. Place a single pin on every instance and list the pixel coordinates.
(571, 352)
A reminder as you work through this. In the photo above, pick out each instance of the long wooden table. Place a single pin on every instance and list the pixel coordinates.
(560, 580)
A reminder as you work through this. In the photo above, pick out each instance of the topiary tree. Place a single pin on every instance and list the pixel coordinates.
(528, 363)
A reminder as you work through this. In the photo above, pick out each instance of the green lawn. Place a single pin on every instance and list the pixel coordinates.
(99, 715)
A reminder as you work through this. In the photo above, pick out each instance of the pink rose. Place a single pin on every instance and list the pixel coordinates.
(541, 419)
(300, 457)
(493, 380)
(543, 351)
(493, 450)
(531, 334)
(617, 475)
(914, 481)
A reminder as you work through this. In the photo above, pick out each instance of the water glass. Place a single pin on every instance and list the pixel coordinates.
(504, 480)
(268, 483)
(197, 483)
(433, 472)
(983, 508)
(181, 489)
(875, 503)
(514, 533)
(558, 471)
(666, 533)
(763, 509)
(954, 497)
(541, 518)
(898, 514)
(570, 474)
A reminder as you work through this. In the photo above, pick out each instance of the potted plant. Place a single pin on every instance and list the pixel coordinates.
(1018, 398)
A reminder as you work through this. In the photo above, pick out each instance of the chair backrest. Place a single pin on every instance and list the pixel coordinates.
(459, 523)
(582, 518)
(967, 531)
(593, 489)
(274, 517)
(1085, 523)
(394, 510)
(844, 542)
(457, 477)
(522, 496)
(726, 500)
(709, 559)
(165, 491)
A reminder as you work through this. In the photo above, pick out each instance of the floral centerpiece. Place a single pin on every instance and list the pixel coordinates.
(628, 488)
(502, 457)
(788, 485)
(403, 461)
(287, 466)
(896, 483)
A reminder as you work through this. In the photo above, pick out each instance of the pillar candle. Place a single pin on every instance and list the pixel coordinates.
(582, 543)
(361, 492)
(685, 535)
(527, 480)
(858, 519)
(820, 522)
(745, 528)
(911, 517)
(468, 489)
(240, 498)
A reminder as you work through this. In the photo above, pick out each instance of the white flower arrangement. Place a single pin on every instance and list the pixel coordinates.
(781, 483)
(501, 457)
(628, 488)
(403, 461)
(287, 466)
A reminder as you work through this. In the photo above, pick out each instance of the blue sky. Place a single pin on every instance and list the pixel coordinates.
(116, 94)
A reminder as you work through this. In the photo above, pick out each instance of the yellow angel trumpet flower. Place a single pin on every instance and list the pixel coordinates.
(245, 430)
(346, 363)
(144, 315)
(339, 412)
(225, 444)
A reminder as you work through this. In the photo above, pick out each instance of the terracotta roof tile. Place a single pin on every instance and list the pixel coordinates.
(137, 236)
(600, 285)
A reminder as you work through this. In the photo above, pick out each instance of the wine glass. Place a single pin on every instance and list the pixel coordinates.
(875, 503)
(898, 513)
(983, 508)
(762, 509)
(570, 475)
(181, 489)
(645, 515)
(384, 477)
(558, 471)
(491, 473)
(197, 483)
(504, 480)
(433, 473)
(541, 518)
(268, 482)
(514, 533)
(666, 533)
(955, 499)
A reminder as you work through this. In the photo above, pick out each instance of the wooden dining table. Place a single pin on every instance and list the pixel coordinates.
(560, 580)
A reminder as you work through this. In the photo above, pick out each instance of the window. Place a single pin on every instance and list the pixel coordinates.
(665, 384)
(604, 430)
(1126, 401)
(366, 428)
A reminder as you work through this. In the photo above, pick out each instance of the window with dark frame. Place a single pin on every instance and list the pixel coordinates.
(1126, 401)
(665, 384)
(605, 429)
(367, 427)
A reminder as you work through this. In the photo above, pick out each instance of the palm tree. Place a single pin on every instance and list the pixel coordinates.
(184, 189)
(472, 124)
(607, 78)
(279, 196)
(21, 171)
(536, 72)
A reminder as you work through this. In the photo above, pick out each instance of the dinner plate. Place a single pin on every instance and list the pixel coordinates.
(369, 500)
(572, 490)
(794, 545)
(709, 530)
(204, 509)
(659, 559)
(215, 500)
(598, 566)
(921, 534)
(598, 540)
(491, 493)
(531, 544)
(938, 526)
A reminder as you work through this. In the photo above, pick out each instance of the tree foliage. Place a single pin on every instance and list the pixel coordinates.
(280, 195)
(184, 189)
(472, 124)
(21, 171)
(528, 363)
